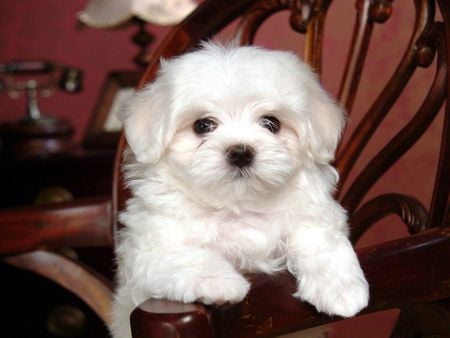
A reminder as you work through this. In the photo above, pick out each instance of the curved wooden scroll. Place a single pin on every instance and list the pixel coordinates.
(440, 203)
(413, 214)
(307, 17)
(351, 151)
(412, 132)
(90, 286)
(362, 34)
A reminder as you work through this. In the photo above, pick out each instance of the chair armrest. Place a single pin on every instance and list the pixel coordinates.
(79, 223)
(165, 319)
(401, 272)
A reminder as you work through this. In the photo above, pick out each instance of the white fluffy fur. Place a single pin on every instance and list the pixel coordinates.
(195, 223)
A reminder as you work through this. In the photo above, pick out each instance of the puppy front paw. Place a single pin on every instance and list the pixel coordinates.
(343, 295)
(221, 290)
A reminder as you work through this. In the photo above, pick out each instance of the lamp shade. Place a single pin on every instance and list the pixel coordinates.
(111, 13)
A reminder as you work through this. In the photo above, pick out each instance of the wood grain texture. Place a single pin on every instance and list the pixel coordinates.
(77, 223)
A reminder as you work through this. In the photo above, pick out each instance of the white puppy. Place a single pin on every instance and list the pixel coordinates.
(229, 167)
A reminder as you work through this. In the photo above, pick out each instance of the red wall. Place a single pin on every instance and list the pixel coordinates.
(47, 29)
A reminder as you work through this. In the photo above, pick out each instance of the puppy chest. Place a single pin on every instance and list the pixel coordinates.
(248, 247)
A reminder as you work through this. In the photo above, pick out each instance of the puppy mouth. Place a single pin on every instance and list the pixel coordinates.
(242, 173)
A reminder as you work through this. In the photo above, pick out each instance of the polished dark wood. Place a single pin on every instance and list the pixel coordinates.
(351, 151)
(440, 206)
(40, 137)
(159, 318)
(72, 224)
(83, 173)
(57, 243)
(411, 211)
(424, 320)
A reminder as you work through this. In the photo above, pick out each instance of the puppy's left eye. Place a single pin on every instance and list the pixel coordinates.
(205, 125)
(271, 123)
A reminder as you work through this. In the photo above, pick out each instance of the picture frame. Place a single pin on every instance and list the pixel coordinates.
(104, 128)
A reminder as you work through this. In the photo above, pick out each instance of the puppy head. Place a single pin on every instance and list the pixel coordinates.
(241, 120)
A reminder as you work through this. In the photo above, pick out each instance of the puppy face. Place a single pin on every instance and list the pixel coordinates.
(236, 154)
(234, 123)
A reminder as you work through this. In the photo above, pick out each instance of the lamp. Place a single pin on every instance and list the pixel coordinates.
(113, 13)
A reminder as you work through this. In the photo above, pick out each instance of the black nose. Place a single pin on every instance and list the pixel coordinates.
(240, 155)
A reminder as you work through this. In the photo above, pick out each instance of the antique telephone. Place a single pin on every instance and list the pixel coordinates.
(37, 133)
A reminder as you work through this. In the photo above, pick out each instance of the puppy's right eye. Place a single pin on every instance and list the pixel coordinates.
(205, 125)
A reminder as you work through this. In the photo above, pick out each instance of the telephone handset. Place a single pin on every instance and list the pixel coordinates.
(70, 78)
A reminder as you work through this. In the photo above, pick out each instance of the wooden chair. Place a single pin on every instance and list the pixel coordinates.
(410, 273)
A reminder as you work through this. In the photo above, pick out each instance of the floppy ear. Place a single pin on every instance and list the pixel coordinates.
(146, 121)
(327, 119)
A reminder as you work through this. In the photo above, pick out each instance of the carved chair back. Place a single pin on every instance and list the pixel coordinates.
(426, 48)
